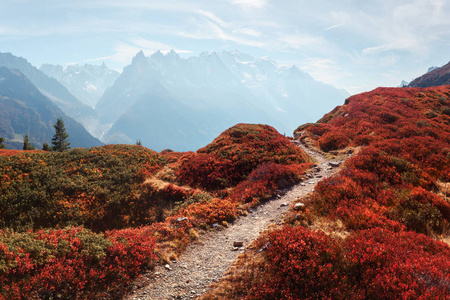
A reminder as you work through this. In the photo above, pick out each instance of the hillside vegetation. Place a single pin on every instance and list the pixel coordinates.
(379, 229)
(84, 223)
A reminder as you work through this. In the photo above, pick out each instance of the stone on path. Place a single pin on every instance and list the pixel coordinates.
(238, 244)
(299, 206)
(334, 164)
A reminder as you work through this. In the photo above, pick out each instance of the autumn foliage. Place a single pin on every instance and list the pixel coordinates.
(298, 263)
(82, 224)
(390, 198)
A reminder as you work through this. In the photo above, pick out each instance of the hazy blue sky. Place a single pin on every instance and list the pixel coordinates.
(352, 44)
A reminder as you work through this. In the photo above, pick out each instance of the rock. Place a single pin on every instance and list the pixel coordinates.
(168, 267)
(283, 204)
(334, 164)
(311, 182)
(215, 225)
(235, 249)
(238, 244)
(182, 219)
(299, 206)
(309, 175)
(303, 184)
(318, 176)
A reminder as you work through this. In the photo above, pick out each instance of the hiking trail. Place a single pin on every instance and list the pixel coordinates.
(207, 259)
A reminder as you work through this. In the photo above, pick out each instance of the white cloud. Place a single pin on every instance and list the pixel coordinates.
(248, 31)
(250, 3)
(98, 59)
(334, 26)
(324, 69)
(300, 41)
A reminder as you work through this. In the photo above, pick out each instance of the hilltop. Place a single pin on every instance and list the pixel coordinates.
(379, 228)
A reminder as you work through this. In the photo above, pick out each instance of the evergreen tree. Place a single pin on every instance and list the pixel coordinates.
(60, 142)
(46, 147)
(26, 143)
(139, 143)
(2, 146)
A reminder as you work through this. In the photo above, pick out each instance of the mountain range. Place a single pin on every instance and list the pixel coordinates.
(166, 101)
(25, 110)
(54, 90)
(87, 82)
(170, 102)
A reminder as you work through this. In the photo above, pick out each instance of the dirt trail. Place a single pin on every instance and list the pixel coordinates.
(206, 260)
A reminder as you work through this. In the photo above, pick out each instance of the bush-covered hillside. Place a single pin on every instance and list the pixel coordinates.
(85, 222)
(378, 221)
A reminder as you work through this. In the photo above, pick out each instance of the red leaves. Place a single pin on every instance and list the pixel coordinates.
(116, 186)
(72, 263)
(372, 264)
(231, 157)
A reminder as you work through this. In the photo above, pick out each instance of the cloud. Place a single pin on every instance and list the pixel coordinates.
(208, 26)
(98, 59)
(300, 41)
(334, 26)
(250, 3)
(324, 69)
(377, 49)
(248, 31)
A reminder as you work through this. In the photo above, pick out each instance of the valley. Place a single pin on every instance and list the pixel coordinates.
(355, 206)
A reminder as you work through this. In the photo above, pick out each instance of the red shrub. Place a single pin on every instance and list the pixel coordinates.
(333, 140)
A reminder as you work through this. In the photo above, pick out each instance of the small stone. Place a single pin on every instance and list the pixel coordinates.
(238, 244)
(311, 182)
(319, 176)
(309, 175)
(167, 267)
(235, 249)
(181, 219)
(283, 204)
(303, 184)
(299, 206)
(334, 164)
(215, 225)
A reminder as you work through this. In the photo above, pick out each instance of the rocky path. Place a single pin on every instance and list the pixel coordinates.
(206, 260)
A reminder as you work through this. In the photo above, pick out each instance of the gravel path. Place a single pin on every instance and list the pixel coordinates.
(206, 260)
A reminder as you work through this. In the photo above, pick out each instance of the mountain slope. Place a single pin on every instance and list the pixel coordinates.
(379, 228)
(434, 77)
(214, 91)
(88, 82)
(24, 110)
(52, 89)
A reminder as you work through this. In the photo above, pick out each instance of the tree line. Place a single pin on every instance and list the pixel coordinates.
(60, 140)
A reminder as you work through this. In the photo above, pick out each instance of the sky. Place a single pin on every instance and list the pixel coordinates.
(357, 45)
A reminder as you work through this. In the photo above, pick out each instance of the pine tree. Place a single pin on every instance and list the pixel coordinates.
(2, 146)
(26, 143)
(46, 147)
(60, 142)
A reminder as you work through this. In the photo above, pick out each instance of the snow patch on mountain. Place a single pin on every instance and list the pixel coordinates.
(88, 82)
